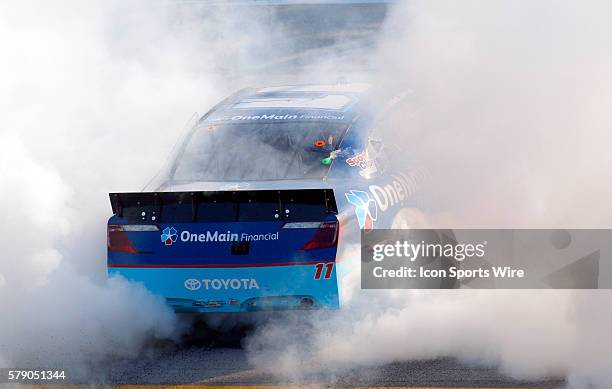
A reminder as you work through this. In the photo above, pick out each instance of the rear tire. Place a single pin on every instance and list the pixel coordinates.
(412, 218)
(407, 218)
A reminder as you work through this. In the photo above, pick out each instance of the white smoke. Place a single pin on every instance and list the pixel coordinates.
(92, 96)
(509, 109)
(509, 112)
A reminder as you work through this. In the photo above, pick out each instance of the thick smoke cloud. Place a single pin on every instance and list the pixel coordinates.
(508, 111)
(93, 97)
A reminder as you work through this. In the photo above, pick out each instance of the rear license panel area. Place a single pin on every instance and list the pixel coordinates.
(243, 289)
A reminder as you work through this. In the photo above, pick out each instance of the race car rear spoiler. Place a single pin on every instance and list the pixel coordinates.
(208, 206)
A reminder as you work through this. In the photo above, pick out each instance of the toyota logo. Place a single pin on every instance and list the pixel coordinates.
(192, 284)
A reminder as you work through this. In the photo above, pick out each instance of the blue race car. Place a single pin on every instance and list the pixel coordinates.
(262, 207)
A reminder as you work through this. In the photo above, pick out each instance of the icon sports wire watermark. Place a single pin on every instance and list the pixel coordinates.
(486, 259)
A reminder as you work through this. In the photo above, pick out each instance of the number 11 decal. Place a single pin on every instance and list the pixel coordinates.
(329, 266)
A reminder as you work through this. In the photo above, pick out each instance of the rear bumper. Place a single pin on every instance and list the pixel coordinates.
(255, 304)
(238, 289)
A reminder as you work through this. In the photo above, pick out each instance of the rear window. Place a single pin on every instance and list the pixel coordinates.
(258, 151)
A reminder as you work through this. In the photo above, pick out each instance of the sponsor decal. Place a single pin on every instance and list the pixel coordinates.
(264, 117)
(366, 165)
(393, 193)
(209, 236)
(169, 236)
(228, 236)
(357, 160)
(277, 117)
(365, 208)
(193, 284)
(381, 198)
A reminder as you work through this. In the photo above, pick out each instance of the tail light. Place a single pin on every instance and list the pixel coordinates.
(326, 234)
(118, 239)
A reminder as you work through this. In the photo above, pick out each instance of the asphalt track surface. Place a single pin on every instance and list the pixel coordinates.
(209, 365)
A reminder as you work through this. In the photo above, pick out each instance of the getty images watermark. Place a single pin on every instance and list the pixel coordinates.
(486, 259)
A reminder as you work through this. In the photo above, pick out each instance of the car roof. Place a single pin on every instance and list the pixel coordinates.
(297, 103)
(329, 88)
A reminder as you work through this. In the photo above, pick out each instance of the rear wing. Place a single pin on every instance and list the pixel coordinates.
(221, 206)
